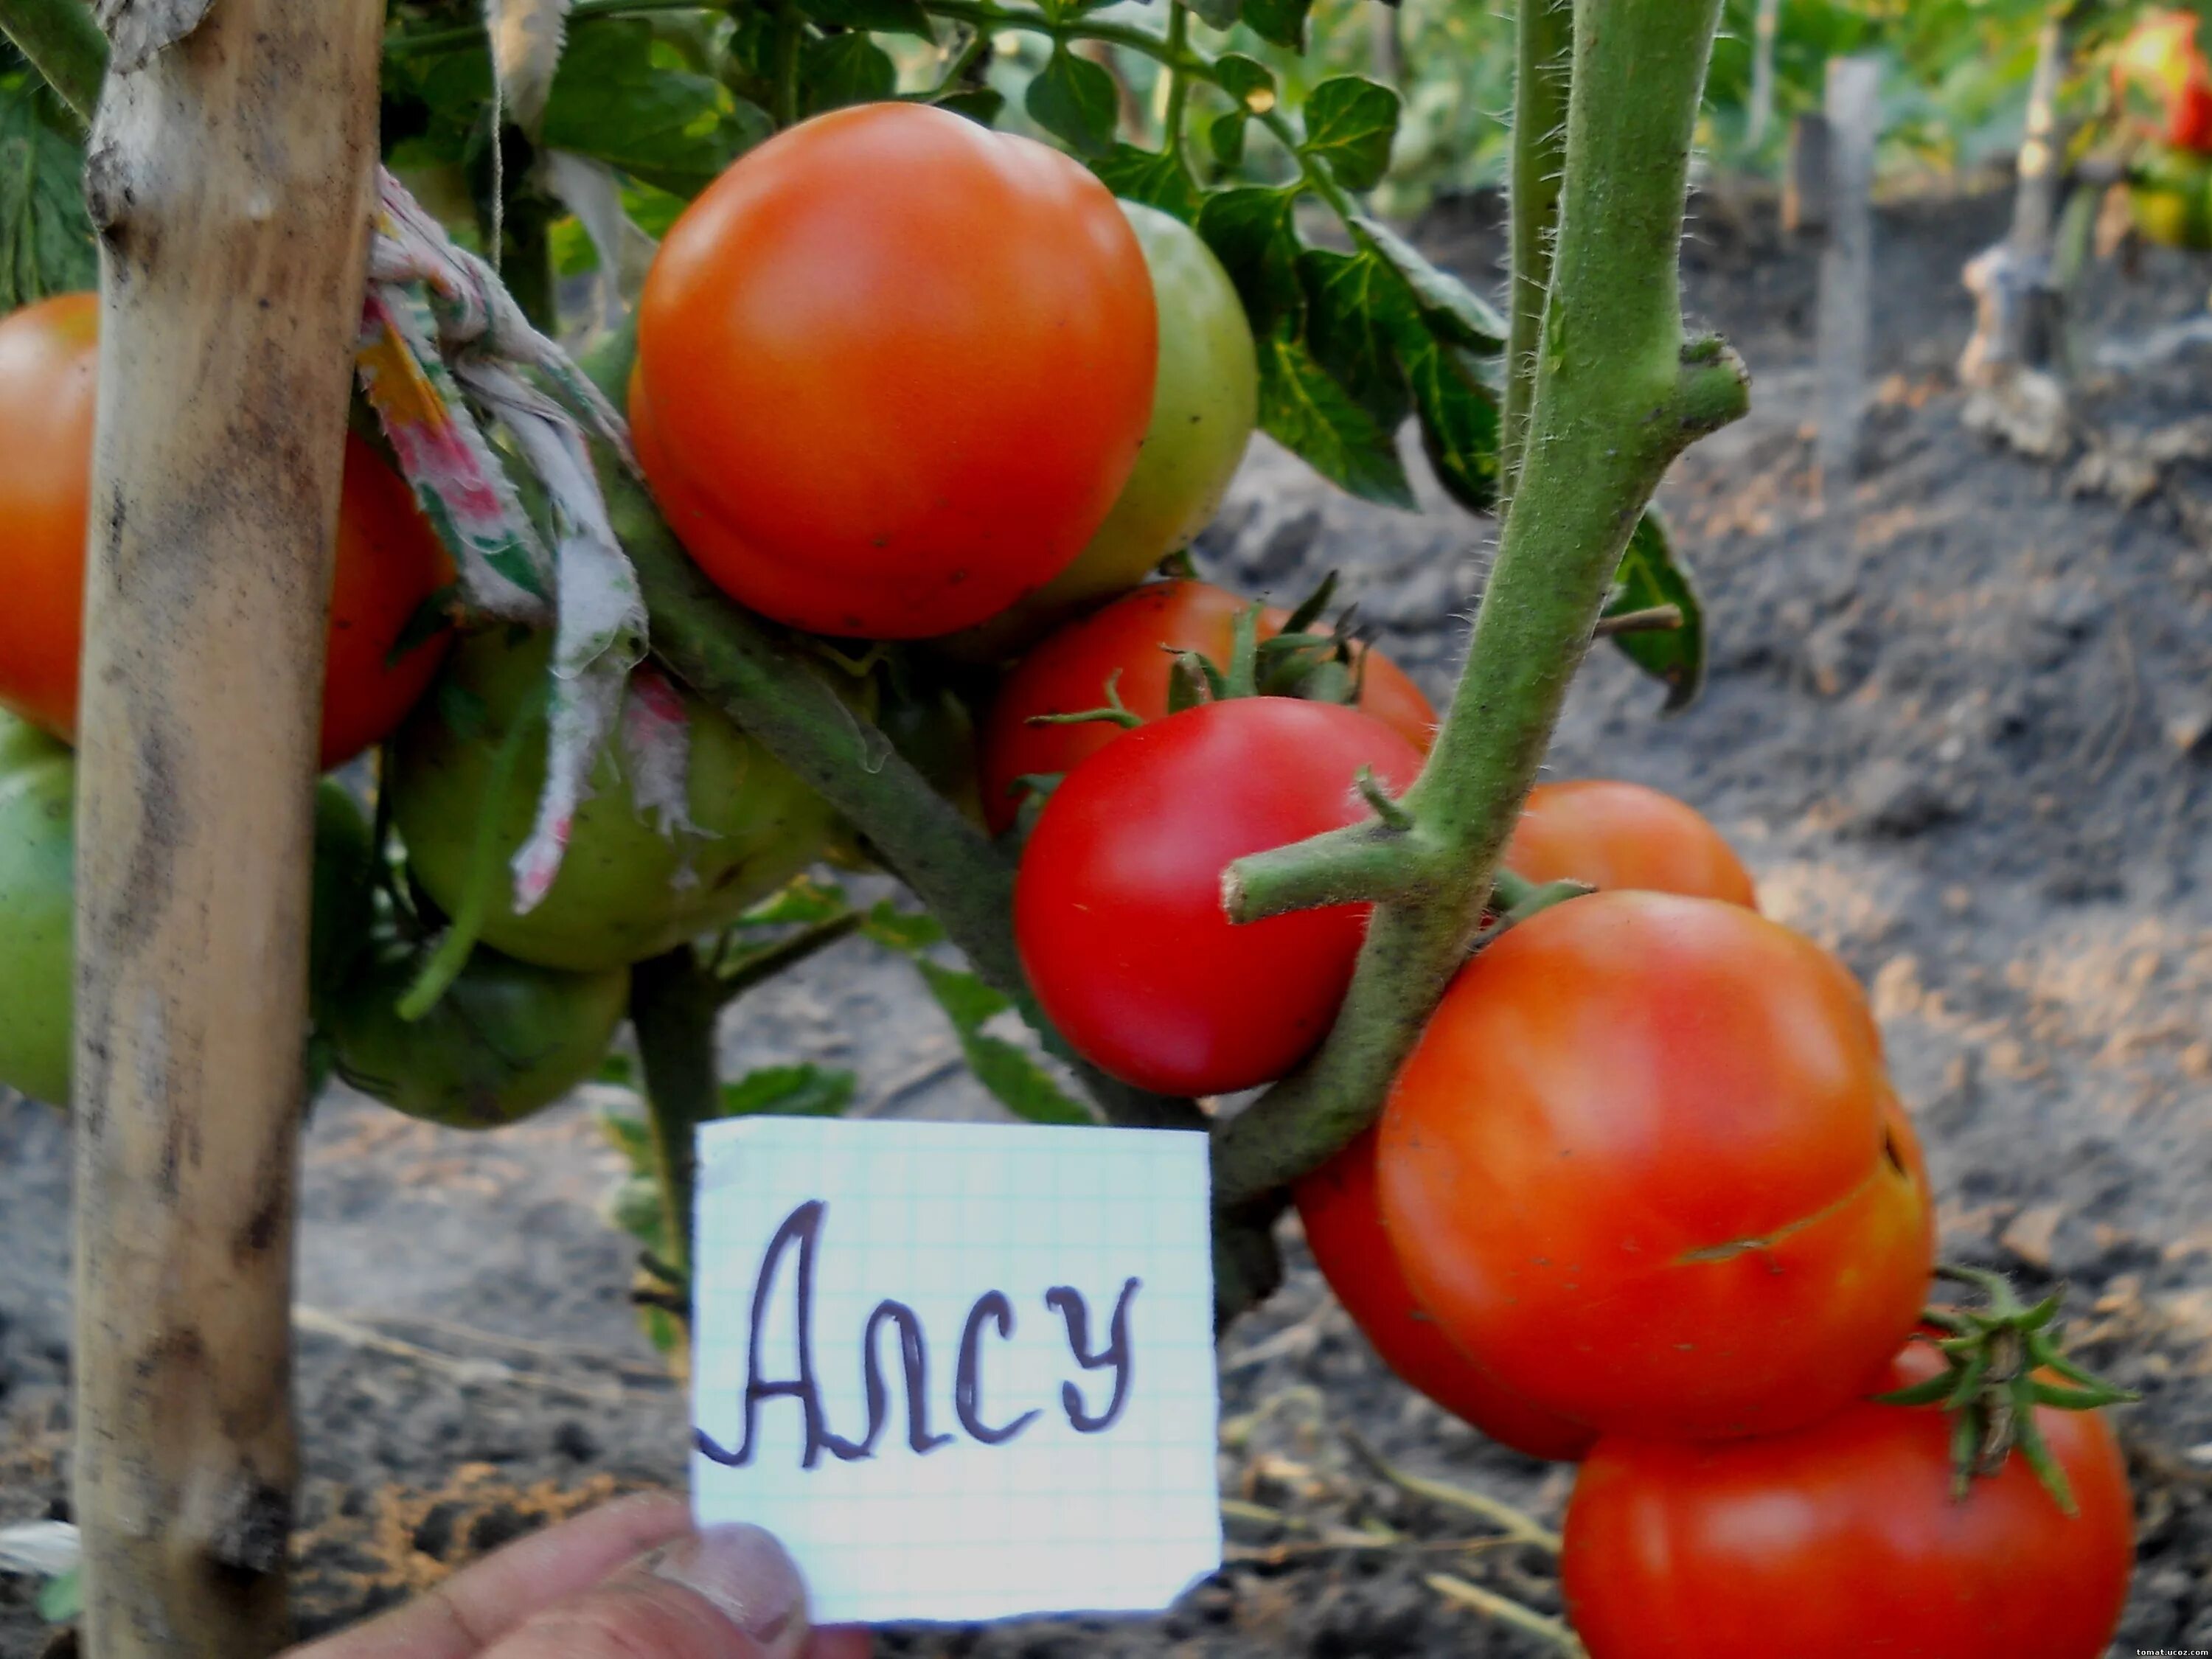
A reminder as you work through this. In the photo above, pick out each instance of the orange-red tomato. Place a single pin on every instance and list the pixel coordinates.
(1337, 1205)
(1610, 834)
(893, 370)
(2160, 63)
(1137, 636)
(389, 560)
(1640, 1163)
(1843, 1540)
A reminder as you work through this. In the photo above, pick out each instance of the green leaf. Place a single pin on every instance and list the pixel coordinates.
(1357, 311)
(1250, 83)
(1306, 410)
(1151, 176)
(872, 17)
(807, 1091)
(1074, 99)
(1459, 315)
(1225, 134)
(908, 931)
(1014, 1077)
(613, 100)
(61, 1598)
(844, 69)
(45, 235)
(615, 1069)
(1252, 232)
(632, 1137)
(804, 902)
(1460, 420)
(1281, 23)
(1350, 124)
(981, 104)
(1221, 13)
(1651, 573)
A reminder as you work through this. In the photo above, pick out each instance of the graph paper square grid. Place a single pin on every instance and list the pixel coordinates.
(935, 1215)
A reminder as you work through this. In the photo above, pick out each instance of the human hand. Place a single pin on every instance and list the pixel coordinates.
(626, 1582)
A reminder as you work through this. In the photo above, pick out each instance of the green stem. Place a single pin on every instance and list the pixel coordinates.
(1545, 31)
(1619, 393)
(526, 257)
(764, 966)
(1178, 43)
(790, 35)
(65, 43)
(674, 1005)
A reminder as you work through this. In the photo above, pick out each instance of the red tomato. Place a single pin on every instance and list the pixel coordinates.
(1117, 907)
(1138, 635)
(2160, 63)
(893, 370)
(389, 560)
(1843, 1540)
(1343, 1226)
(1610, 834)
(1638, 1163)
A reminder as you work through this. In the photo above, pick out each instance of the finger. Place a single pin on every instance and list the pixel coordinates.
(726, 1593)
(842, 1642)
(477, 1607)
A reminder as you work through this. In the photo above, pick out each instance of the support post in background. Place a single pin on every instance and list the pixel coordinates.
(230, 178)
(1767, 26)
(1805, 182)
(1846, 303)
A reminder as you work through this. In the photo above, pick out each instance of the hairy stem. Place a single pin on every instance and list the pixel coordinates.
(1619, 393)
(1545, 31)
(674, 1004)
(65, 43)
(1178, 40)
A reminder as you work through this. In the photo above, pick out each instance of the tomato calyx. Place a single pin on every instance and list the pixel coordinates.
(1995, 1359)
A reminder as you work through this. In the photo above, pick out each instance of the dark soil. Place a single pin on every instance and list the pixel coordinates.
(1959, 720)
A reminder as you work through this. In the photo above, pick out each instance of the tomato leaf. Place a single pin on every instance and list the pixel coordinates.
(1281, 23)
(1074, 99)
(1459, 316)
(844, 69)
(1357, 311)
(1221, 13)
(1250, 83)
(1015, 1078)
(1152, 177)
(1225, 134)
(1253, 232)
(45, 235)
(981, 104)
(1350, 124)
(1304, 407)
(1460, 418)
(872, 17)
(612, 100)
(805, 1090)
(1652, 574)
(805, 903)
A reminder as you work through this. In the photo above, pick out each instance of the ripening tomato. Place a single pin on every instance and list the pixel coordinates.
(2160, 66)
(1640, 1163)
(626, 891)
(1204, 402)
(1117, 905)
(1843, 1539)
(1137, 637)
(389, 560)
(1337, 1205)
(893, 368)
(1611, 834)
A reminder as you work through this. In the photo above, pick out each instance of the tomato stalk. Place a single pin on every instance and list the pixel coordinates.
(1544, 36)
(1620, 391)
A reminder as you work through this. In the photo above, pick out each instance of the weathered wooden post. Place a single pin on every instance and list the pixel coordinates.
(230, 178)
(1846, 320)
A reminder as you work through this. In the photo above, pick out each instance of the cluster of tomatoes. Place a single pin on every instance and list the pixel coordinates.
(1642, 1195)
(2162, 88)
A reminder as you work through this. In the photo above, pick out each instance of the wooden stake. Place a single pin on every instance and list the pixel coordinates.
(229, 176)
(1846, 324)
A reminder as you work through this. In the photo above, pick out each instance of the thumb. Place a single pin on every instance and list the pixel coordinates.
(725, 1593)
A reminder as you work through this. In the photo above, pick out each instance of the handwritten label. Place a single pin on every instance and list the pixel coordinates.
(963, 1370)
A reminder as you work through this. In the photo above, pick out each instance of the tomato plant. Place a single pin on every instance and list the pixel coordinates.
(2160, 66)
(1127, 651)
(505, 1040)
(1205, 400)
(848, 449)
(1117, 909)
(1343, 1228)
(1611, 834)
(2170, 198)
(1844, 1539)
(626, 890)
(1642, 1165)
(389, 561)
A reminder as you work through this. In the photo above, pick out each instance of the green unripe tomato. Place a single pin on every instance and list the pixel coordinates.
(2170, 198)
(1206, 401)
(38, 902)
(506, 1040)
(625, 891)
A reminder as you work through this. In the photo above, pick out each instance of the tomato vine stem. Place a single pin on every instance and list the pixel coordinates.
(1619, 391)
(1545, 47)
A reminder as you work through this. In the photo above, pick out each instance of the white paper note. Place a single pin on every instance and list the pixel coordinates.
(1052, 1290)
